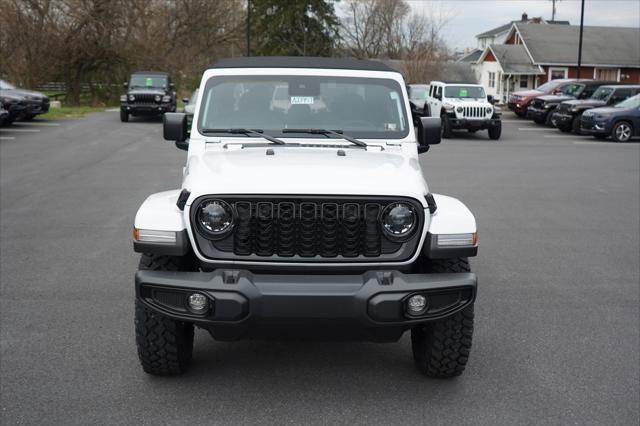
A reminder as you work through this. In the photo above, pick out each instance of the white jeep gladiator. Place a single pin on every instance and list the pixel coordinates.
(463, 106)
(306, 219)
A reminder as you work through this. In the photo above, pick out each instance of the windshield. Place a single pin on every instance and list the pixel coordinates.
(418, 92)
(602, 93)
(359, 107)
(548, 86)
(150, 81)
(6, 86)
(572, 89)
(475, 92)
(632, 102)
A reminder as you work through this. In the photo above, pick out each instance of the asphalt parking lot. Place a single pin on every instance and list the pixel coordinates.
(556, 339)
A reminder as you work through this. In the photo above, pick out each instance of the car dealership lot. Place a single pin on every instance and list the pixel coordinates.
(557, 313)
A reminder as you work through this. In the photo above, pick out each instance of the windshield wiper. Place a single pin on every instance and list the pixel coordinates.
(327, 132)
(258, 132)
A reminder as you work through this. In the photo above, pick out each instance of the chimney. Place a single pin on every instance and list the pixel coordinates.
(525, 17)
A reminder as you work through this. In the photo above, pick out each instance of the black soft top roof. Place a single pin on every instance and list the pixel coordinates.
(150, 73)
(302, 62)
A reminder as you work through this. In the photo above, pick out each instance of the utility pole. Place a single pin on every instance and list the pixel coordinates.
(553, 10)
(248, 27)
(580, 42)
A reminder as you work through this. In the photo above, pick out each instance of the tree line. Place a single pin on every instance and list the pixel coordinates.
(97, 43)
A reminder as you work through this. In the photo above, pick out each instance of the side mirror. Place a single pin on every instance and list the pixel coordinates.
(429, 133)
(185, 100)
(171, 85)
(125, 84)
(491, 99)
(175, 126)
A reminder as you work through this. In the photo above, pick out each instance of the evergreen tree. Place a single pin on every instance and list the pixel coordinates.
(293, 28)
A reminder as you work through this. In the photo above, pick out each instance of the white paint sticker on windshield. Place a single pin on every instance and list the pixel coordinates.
(301, 100)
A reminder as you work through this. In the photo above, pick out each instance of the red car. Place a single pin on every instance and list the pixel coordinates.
(519, 101)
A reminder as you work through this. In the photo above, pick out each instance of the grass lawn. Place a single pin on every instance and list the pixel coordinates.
(70, 112)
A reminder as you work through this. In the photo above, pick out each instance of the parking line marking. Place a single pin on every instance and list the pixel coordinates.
(37, 123)
(7, 138)
(560, 136)
(113, 109)
(605, 143)
(21, 130)
(512, 121)
(535, 129)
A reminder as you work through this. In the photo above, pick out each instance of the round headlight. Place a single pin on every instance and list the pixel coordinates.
(460, 109)
(158, 98)
(132, 98)
(215, 217)
(399, 220)
(489, 110)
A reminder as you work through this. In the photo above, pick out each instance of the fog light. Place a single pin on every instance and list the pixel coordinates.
(417, 304)
(198, 303)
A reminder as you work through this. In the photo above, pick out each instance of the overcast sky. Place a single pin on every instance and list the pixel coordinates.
(470, 17)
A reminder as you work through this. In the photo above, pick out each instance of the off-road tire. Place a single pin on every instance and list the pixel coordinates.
(540, 120)
(28, 117)
(564, 129)
(441, 349)
(165, 346)
(124, 116)
(446, 128)
(616, 132)
(496, 131)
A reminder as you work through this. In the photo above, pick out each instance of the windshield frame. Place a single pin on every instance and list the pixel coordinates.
(211, 80)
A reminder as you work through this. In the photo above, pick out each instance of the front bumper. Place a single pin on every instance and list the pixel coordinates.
(470, 123)
(146, 109)
(561, 119)
(595, 128)
(370, 306)
(519, 107)
(537, 113)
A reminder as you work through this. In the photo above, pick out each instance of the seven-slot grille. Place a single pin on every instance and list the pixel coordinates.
(309, 228)
(144, 98)
(474, 112)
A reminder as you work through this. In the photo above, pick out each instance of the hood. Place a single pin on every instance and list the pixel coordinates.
(11, 95)
(142, 91)
(298, 170)
(527, 93)
(604, 110)
(29, 93)
(585, 103)
(555, 98)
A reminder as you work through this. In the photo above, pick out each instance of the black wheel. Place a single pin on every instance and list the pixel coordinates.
(547, 119)
(601, 137)
(622, 132)
(124, 116)
(165, 346)
(28, 117)
(441, 349)
(446, 128)
(575, 125)
(521, 114)
(564, 129)
(472, 130)
(539, 120)
(496, 131)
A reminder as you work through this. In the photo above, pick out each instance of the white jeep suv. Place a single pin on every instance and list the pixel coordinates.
(308, 218)
(463, 106)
